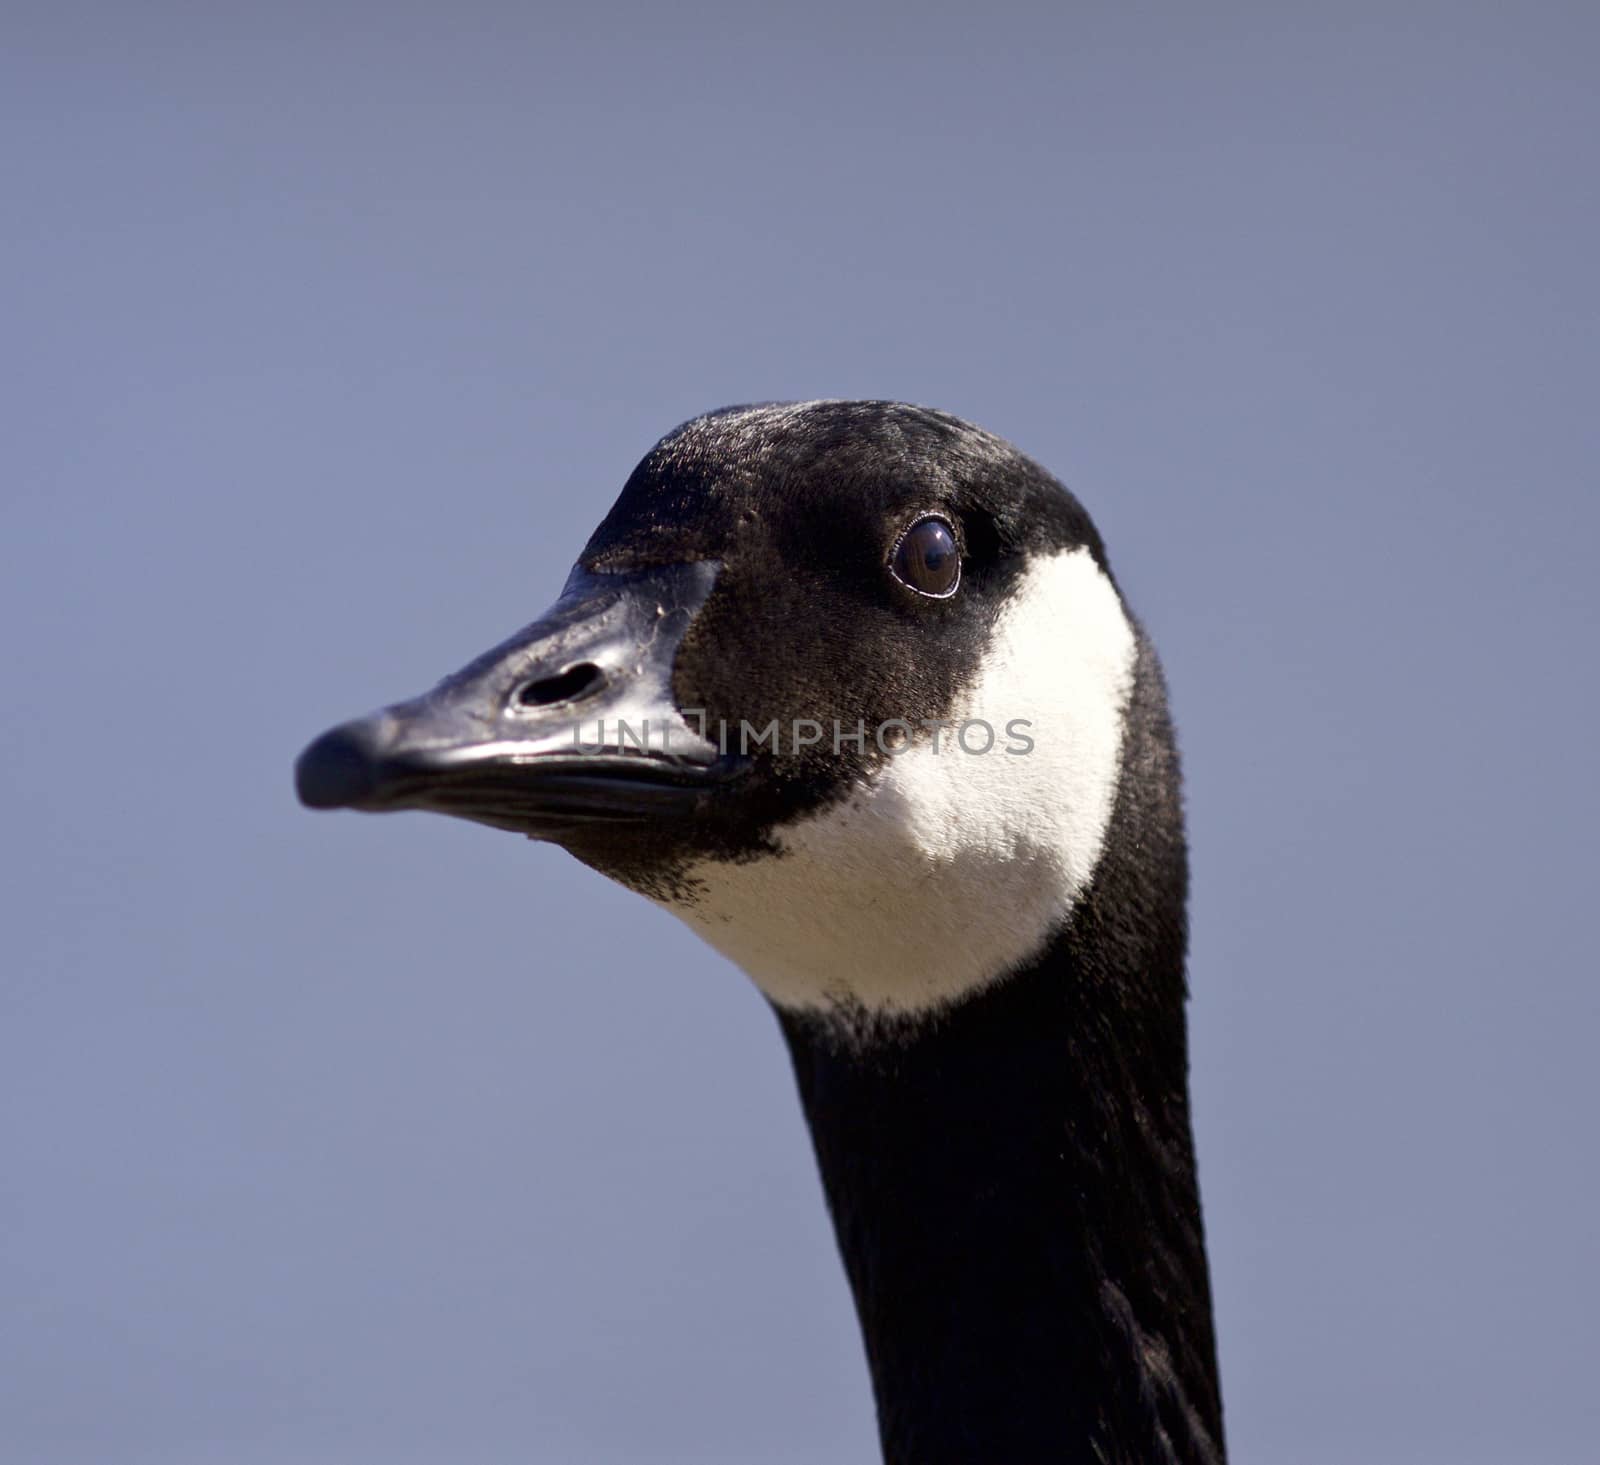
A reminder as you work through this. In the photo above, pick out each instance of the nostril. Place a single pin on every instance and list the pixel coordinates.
(574, 682)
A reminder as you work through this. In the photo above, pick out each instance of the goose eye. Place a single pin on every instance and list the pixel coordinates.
(927, 559)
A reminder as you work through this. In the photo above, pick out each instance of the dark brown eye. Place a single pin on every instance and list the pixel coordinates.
(927, 559)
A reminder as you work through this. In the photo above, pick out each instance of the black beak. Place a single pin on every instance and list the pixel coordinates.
(569, 725)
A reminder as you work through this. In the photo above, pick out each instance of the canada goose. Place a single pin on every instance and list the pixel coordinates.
(849, 687)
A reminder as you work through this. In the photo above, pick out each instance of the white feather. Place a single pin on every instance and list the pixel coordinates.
(948, 869)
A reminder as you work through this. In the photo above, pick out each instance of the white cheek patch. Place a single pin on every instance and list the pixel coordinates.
(949, 868)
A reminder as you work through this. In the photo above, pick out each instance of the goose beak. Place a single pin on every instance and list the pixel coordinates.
(569, 725)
